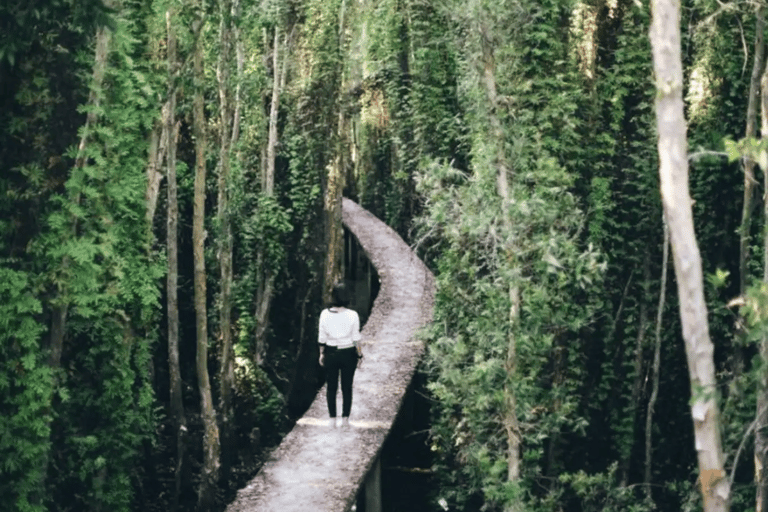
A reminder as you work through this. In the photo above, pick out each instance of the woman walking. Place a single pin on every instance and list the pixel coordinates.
(339, 337)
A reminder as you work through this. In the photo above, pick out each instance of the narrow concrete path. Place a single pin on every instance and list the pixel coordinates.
(319, 468)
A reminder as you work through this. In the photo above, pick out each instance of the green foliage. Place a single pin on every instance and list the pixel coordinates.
(93, 253)
(25, 24)
(484, 252)
(580, 238)
(260, 404)
(410, 108)
(267, 228)
(601, 492)
(26, 387)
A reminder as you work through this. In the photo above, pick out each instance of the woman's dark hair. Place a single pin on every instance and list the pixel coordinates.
(340, 296)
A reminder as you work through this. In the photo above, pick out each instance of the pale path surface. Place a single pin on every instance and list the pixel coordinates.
(318, 468)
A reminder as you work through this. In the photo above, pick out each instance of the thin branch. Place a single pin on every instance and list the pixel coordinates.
(741, 447)
(656, 361)
(744, 45)
(701, 154)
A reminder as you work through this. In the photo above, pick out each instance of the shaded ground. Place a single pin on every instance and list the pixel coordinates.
(318, 467)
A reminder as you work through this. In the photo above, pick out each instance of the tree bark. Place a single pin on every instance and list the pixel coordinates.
(211, 447)
(749, 164)
(656, 366)
(761, 415)
(511, 423)
(335, 188)
(174, 368)
(265, 289)
(157, 150)
(268, 182)
(334, 234)
(227, 356)
(673, 171)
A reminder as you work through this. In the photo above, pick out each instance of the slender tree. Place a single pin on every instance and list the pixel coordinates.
(174, 368)
(211, 447)
(673, 172)
(266, 286)
(225, 242)
(510, 420)
(334, 239)
(656, 371)
(758, 64)
(761, 414)
(157, 152)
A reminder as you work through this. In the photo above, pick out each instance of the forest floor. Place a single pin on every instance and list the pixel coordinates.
(317, 466)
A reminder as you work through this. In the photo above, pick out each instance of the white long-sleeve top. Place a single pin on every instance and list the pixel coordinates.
(339, 327)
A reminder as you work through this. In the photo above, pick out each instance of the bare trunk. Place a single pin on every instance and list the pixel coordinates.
(211, 448)
(510, 421)
(335, 234)
(673, 171)
(761, 415)
(156, 153)
(511, 424)
(656, 366)
(227, 356)
(174, 367)
(265, 290)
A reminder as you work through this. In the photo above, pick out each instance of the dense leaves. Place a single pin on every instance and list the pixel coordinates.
(548, 279)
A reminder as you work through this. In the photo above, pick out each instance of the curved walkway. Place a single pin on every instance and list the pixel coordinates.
(320, 468)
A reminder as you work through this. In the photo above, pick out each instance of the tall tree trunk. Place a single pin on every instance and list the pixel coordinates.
(265, 289)
(211, 448)
(157, 150)
(333, 195)
(749, 164)
(227, 356)
(174, 368)
(511, 423)
(334, 233)
(656, 366)
(673, 171)
(761, 415)
(510, 420)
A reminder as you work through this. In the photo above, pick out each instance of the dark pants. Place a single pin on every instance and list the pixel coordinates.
(342, 361)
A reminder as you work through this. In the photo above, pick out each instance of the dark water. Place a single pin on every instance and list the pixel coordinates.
(408, 484)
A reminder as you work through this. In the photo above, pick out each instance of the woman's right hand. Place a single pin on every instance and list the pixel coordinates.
(322, 360)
